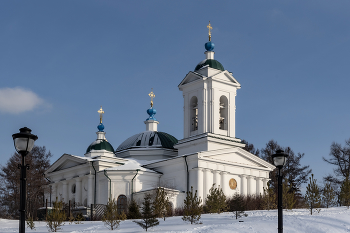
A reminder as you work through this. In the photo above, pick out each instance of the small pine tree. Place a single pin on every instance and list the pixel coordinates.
(288, 195)
(79, 218)
(148, 218)
(133, 210)
(111, 216)
(345, 192)
(160, 203)
(56, 217)
(122, 216)
(269, 199)
(313, 195)
(30, 222)
(215, 201)
(238, 206)
(193, 209)
(328, 195)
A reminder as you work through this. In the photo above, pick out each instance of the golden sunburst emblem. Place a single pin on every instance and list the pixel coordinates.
(233, 183)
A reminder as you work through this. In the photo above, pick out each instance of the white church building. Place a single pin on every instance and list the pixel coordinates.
(208, 154)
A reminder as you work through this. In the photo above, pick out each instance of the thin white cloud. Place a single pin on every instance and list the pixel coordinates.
(18, 100)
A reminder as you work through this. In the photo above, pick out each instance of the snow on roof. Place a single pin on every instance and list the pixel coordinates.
(132, 164)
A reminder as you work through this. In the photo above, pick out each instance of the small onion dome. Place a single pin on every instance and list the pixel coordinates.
(100, 144)
(211, 63)
(100, 127)
(149, 139)
(209, 46)
(151, 112)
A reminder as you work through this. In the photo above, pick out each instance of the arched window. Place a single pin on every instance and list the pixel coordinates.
(223, 113)
(194, 113)
(122, 204)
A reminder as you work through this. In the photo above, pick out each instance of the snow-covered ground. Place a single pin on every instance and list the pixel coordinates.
(332, 220)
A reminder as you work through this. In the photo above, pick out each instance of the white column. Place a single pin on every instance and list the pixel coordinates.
(244, 185)
(53, 193)
(65, 191)
(265, 183)
(217, 178)
(207, 182)
(249, 188)
(258, 191)
(78, 191)
(90, 190)
(200, 183)
(225, 183)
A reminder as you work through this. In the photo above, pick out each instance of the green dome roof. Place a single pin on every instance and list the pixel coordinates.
(149, 139)
(211, 63)
(100, 144)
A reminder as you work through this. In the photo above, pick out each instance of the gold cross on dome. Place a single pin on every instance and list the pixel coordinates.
(101, 112)
(152, 95)
(210, 28)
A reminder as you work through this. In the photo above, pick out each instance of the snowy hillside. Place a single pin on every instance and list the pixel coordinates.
(330, 220)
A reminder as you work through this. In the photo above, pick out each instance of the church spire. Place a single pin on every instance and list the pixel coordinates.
(209, 27)
(151, 122)
(101, 127)
(209, 46)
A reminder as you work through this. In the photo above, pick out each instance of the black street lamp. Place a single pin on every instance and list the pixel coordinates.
(279, 159)
(24, 143)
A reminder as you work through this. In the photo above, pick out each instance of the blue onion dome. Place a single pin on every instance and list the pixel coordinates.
(100, 127)
(151, 112)
(149, 139)
(100, 144)
(209, 46)
(211, 63)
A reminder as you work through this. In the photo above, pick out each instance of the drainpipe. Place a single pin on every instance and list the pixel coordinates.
(110, 184)
(92, 163)
(132, 184)
(187, 172)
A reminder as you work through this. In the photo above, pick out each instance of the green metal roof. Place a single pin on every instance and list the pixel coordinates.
(167, 140)
(211, 63)
(149, 139)
(100, 144)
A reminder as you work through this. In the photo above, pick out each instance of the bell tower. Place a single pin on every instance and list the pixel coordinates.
(209, 94)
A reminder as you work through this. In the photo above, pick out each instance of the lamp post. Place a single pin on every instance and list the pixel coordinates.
(24, 143)
(279, 159)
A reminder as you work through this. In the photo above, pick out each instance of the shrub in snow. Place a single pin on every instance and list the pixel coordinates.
(215, 201)
(148, 218)
(30, 222)
(161, 203)
(269, 199)
(328, 195)
(56, 217)
(313, 195)
(237, 205)
(111, 217)
(133, 210)
(192, 210)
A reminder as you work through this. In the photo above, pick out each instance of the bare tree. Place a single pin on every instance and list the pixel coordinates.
(340, 158)
(38, 161)
(250, 148)
(293, 171)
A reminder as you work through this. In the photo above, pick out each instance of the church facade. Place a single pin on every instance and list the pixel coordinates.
(209, 153)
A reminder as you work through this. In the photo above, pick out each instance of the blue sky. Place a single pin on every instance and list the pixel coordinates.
(61, 60)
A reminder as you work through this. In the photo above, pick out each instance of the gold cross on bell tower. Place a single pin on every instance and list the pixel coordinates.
(152, 95)
(210, 28)
(101, 112)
